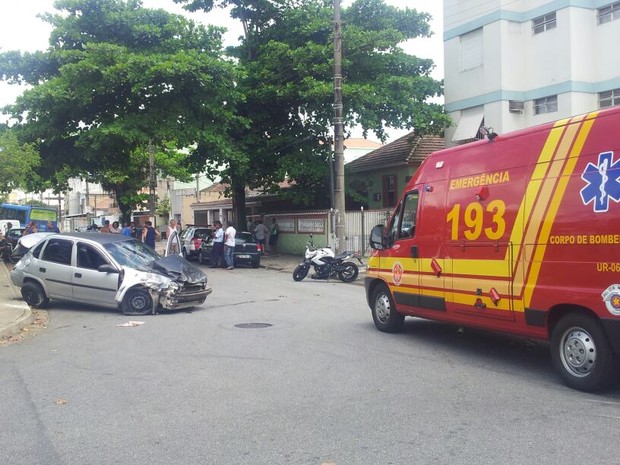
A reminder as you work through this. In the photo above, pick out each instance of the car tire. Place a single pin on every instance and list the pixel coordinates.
(256, 263)
(137, 301)
(582, 354)
(184, 252)
(34, 295)
(201, 259)
(384, 313)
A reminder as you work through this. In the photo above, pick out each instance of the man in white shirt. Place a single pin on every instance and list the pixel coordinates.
(229, 245)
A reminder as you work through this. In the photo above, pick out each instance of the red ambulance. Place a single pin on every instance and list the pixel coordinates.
(517, 233)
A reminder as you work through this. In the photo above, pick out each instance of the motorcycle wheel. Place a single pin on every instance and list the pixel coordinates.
(349, 272)
(300, 272)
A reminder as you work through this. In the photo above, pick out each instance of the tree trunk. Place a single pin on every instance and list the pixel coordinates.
(125, 208)
(238, 191)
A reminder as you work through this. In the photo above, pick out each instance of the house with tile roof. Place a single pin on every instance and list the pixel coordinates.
(375, 180)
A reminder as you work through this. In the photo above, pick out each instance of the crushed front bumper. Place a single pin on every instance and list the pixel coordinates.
(187, 296)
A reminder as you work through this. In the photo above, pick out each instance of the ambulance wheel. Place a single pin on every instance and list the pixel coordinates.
(582, 354)
(384, 313)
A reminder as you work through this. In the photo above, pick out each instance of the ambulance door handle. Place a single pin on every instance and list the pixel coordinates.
(414, 251)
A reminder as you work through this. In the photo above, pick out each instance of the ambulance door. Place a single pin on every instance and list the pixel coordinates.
(402, 258)
(479, 221)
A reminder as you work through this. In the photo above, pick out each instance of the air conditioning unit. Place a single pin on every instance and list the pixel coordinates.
(515, 106)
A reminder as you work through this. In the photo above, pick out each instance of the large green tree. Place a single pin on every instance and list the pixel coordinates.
(17, 162)
(117, 82)
(286, 56)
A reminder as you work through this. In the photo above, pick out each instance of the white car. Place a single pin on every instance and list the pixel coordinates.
(109, 270)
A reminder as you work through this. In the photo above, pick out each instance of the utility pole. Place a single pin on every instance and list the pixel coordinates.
(339, 201)
(152, 183)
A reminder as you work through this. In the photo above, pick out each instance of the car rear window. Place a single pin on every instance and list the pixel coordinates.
(202, 233)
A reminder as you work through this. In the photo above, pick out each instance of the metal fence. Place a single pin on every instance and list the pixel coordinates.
(358, 225)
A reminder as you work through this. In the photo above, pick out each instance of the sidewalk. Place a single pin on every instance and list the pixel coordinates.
(15, 314)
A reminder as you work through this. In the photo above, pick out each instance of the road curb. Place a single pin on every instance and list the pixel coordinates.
(15, 313)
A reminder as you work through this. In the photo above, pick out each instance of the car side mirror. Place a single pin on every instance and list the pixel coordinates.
(107, 268)
(377, 238)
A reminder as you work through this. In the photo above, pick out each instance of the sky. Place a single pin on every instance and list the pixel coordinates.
(20, 29)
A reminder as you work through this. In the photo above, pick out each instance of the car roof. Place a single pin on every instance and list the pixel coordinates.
(101, 238)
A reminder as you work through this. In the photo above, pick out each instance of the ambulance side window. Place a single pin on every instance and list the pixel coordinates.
(410, 209)
(393, 235)
(403, 221)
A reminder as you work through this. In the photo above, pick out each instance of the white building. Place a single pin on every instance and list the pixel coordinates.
(511, 64)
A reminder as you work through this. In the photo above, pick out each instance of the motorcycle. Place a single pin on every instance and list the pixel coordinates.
(326, 264)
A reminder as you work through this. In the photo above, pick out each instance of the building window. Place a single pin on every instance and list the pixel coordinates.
(609, 98)
(389, 190)
(471, 50)
(543, 23)
(609, 13)
(546, 105)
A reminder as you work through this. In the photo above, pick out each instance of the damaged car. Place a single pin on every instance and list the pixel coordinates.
(109, 270)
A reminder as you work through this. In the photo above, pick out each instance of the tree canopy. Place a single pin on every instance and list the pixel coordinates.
(17, 162)
(287, 61)
(117, 81)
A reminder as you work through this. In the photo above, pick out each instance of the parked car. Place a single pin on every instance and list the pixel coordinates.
(13, 235)
(192, 238)
(110, 270)
(247, 250)
(8, 244)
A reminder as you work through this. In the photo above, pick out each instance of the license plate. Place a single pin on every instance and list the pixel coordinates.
(243, 256)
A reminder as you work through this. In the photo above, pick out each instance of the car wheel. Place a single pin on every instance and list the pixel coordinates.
(582, 354)
(384, 313)
(34, 295)
(184, 252)
(137, 301)
(201, 258)
(349, 272)
(256, 263)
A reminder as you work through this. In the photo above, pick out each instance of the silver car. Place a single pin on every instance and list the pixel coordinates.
(109, 270)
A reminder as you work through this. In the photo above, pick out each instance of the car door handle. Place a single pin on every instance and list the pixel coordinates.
(77, 275)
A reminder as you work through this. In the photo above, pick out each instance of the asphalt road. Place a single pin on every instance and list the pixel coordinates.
(271, 371)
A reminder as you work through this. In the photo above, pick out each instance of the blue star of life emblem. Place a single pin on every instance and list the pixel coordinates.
(603, 182)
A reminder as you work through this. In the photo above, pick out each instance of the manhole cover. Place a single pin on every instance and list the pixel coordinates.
(253, 325)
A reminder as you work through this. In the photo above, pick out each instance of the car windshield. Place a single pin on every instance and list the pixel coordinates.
(132, 253)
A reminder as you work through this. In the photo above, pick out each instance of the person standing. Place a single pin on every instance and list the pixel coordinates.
(172, 227)
(129, 229)
(30, 229)
(150, 234)
(106, 227)
(229, 245)
(115, 228)
(217, 252)
(274, 232)
(262, 233)
(50, 227)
